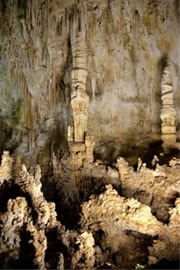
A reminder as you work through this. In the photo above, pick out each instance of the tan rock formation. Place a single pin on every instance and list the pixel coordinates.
(168, 113)
(32, 185)
(81, 158)
(114, 229)
(6, 167)
(112, 213)
(84, 258)
(39, 242)
(147, 185)
(20, 216)
(89, 143)
(60, 265)
(79, 97)
(167, 245)
(11, 223)
(121, 58)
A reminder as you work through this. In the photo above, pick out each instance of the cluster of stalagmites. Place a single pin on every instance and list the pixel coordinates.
(140, 226)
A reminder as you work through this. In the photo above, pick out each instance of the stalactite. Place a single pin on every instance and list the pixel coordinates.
(52, 93)
(30, 117)
(30, 110)
(93, 86)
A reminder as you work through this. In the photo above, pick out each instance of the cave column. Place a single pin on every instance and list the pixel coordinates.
(79, 97)
(80, 144)
(168, 113)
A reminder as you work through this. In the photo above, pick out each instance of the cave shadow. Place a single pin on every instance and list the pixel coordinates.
(12, 191)
(67, 208)
(165, 264)
(27, 251)
(54, 248)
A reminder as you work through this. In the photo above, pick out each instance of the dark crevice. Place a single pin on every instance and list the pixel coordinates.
(54, 248)
(12, 191)
(27, 252)
(165, 264)
(67, 208)
(8, 191)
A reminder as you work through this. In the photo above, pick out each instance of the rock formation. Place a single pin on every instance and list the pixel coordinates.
(111, 225)
(146, 184)
(29, 215)
(81, 145)
(84, 258)
(12, 222)
(79, 97)
(57, 44)
(168, 113)
(84, 180)
(109, 210)
(6, 167)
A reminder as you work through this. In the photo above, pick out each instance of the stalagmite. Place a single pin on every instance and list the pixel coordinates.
(168, 113)
(81, 146)
(32, 185)
(89, 143)
(87, 185)
(11, 223)
(40, 245)
(6, 167)
(84, 258)
(79, 97)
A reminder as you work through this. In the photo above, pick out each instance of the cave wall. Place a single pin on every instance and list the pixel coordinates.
(127, 44)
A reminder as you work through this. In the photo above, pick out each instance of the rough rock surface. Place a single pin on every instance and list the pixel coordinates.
(112, 213)
(111, 227)
(145, 185)
(88, 87)
(126, 43)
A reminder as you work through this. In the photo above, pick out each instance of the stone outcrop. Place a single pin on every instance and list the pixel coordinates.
(39, 242)
(111, 227)
(112, 213)
(81, 146)
(168, 113)
(116, 221)
(147, 184)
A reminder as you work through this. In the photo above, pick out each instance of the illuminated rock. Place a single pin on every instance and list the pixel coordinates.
(79, 97)
(168, 113)
(6, 167)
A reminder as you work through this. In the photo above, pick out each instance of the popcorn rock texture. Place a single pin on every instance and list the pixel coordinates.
(114, 231)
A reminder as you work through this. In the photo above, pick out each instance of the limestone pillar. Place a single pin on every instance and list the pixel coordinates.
(79, 97)
(168, 113)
